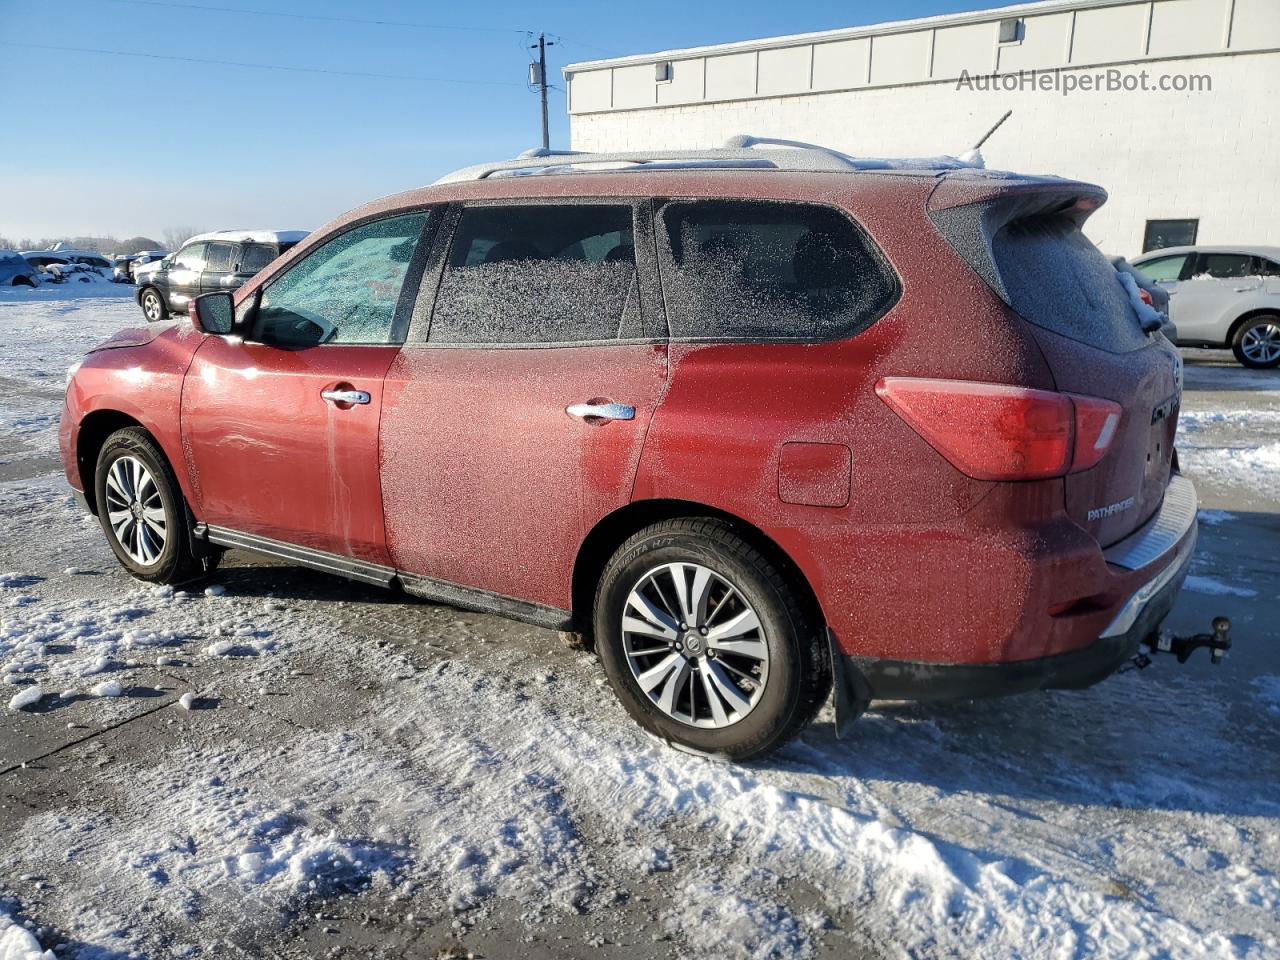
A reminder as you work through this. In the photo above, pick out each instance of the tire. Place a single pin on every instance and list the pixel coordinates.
(153, 305)
(1257, 342)
(793, 682)
(166, 559)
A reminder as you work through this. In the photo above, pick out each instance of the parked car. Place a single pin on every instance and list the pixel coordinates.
(222, 260)
(700, 413)
(1222, 296)
(145, 261)
(120, 268)
(15, 271)
(56, 268)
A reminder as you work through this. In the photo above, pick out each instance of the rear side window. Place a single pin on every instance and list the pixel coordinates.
(759, 270)
(1057, 279)
(1223, 266)
(255, 256)
(544, 273)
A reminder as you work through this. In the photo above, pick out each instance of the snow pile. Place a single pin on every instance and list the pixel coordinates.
(26, 698)
(17, 943)
(717, 921)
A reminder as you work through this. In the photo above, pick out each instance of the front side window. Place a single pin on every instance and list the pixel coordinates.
(742, 269)
(345, 291)
(190, 257)
(1166, 268)
(543, 273)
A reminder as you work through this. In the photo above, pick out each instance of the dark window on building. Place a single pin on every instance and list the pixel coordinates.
(758, 270)
(1169, 233)
(1223, 266)
(255, 256)
(217, 257)
(539, 273)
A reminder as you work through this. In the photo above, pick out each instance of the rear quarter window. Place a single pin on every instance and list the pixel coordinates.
(1057, 279)
(762, 270)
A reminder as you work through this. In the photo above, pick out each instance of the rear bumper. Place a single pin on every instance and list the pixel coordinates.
(1160, 552)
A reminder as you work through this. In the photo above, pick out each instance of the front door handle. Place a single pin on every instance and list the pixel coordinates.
(346, 396)
(601, 411)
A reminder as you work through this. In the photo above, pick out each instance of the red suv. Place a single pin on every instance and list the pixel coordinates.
(751, 420)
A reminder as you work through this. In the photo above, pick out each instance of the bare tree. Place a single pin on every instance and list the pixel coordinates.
(175, 237)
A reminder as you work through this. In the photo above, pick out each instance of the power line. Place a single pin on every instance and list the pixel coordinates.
(262, 66)
(315, 16)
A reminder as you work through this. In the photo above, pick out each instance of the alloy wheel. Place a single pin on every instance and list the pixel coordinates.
(151, 306)
(694, 645)
(1261, 343)
(135, 510)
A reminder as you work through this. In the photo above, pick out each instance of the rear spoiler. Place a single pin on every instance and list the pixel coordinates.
(969, 213)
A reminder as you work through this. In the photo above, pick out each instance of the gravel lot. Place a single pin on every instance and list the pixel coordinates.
(359, 774)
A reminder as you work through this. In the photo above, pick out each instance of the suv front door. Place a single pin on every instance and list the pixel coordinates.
(281, 419)
(218, 262)
(182, 279)
(518, 421)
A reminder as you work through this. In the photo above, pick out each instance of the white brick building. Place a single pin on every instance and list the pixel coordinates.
(1211, 156)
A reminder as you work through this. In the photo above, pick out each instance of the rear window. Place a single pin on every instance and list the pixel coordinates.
(760, 270)
(1057, 279)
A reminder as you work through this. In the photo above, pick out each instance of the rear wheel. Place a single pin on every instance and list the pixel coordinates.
(142, 511)
(153, 307)
(1257, 342)
(706, 642)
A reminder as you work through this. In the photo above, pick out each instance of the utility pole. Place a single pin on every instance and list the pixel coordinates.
(538, 73)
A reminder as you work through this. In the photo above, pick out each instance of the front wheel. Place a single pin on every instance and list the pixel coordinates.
(706, 642)
(142, 511)
(1257, 342)
(153, 307)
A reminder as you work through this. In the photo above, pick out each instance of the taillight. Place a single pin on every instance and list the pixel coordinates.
(1145, 297)
(992, 431)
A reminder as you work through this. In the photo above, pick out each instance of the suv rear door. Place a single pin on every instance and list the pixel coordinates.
(500, 446)
(280, 420)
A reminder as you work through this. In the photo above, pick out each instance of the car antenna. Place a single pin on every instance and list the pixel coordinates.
(974, 154)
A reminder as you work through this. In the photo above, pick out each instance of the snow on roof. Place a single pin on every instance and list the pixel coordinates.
(254, 236)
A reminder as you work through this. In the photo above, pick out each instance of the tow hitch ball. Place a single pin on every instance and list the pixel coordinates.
(1218, 643)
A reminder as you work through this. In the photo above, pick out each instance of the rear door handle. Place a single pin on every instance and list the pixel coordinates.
(346, 396)
(601, 411)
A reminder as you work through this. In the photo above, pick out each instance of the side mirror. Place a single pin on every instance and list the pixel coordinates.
(213, 313)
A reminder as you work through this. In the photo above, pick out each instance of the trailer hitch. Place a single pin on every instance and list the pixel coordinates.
(1217, 643)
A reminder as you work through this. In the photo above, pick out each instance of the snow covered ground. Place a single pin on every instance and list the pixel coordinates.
(290, 765)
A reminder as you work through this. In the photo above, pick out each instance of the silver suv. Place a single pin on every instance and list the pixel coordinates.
(1222, 297)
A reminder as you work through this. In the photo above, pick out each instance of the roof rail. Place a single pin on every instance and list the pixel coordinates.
(738, 152)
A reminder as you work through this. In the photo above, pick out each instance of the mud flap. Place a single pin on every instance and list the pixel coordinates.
(849, 688)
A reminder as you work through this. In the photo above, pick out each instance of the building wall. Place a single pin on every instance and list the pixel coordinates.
(1212, 155)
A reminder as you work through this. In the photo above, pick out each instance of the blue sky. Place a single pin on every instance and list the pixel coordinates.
(123, 145)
